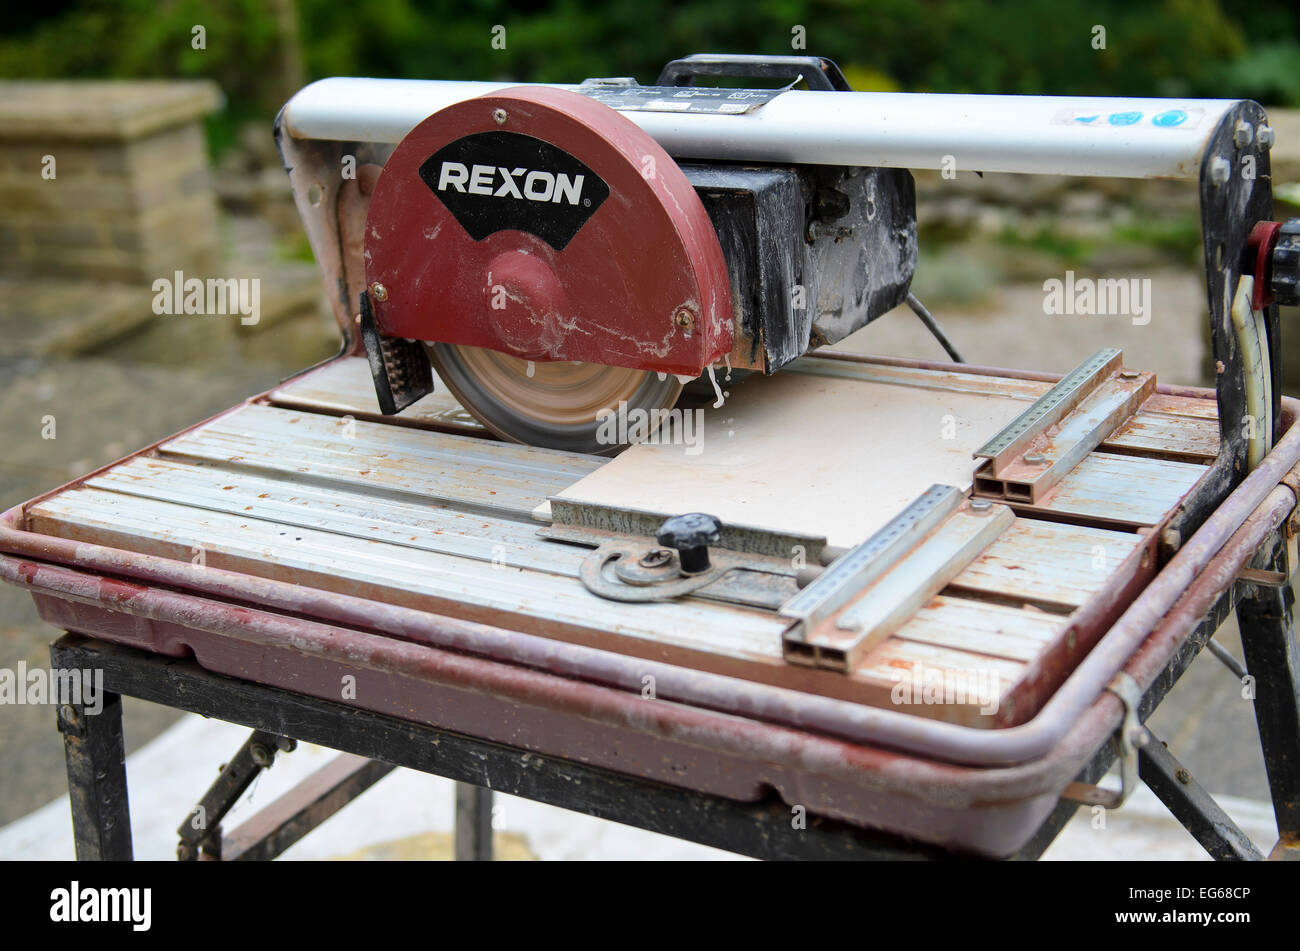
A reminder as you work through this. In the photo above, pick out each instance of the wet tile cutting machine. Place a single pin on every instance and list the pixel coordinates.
(837, 600)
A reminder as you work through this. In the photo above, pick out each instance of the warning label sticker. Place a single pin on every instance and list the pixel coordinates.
(636, 98)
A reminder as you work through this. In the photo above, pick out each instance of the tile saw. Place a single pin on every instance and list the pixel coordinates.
(902, 593)
(578, 267)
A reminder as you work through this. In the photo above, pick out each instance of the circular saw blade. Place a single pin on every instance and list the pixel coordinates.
(558, 405)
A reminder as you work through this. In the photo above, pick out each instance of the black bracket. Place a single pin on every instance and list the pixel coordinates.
(1236, 192)
(817, 71)
(200, 833)
(400, 368)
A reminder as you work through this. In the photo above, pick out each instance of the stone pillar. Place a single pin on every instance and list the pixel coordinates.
(106, 180)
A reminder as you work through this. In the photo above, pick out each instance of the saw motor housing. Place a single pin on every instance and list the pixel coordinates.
(544, 225)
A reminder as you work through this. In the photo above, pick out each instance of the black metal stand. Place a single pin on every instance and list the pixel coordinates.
(1268, 640)
(473, 823)
(761, 830)
(96, 755)
(374, 744)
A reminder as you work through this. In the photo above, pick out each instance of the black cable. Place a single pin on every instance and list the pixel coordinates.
(933, 326)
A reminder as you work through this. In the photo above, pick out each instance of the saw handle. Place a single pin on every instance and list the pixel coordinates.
(817, 71)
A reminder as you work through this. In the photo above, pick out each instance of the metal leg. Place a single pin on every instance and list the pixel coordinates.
(96, 756)
(1273, 659)
(1192, 805)
(473, 823)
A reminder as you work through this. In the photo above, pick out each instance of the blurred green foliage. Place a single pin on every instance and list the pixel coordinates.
(1221, 48)
(140, 38)
(1177, 238)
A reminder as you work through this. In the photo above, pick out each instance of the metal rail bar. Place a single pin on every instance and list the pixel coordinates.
(1051, 135)
(859, 566)
(1226, 658)
(907, 586)
(1050, 408)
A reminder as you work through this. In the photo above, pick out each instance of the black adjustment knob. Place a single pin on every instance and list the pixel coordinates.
(1285, 276)
(691, 535)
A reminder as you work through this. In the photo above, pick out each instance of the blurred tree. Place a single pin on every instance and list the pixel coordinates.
(1170, 47)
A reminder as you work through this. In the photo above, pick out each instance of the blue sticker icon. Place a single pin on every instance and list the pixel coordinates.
(1086, 118)
(1123, 118)
(1169, 119)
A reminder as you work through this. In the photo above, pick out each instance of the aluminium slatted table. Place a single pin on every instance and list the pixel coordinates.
(79, 593)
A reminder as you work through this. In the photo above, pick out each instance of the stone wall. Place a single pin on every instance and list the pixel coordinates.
(106, 180)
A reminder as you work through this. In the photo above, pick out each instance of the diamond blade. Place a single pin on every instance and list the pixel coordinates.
(558, 405)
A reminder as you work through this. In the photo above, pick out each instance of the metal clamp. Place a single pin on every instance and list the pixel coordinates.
(1132, 736)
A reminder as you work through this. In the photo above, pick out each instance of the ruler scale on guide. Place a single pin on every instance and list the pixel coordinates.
(1049, 408)
(1061, 428)
(868, 593)
(849, 573)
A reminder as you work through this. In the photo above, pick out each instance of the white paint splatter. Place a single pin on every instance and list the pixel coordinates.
(716, 389)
